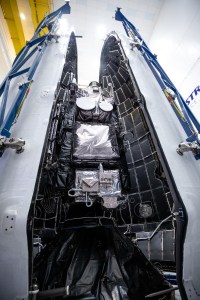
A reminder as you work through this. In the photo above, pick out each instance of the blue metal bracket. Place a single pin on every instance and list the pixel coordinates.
(36, 46)
(65, 9)
(187, 119)
(13, 111)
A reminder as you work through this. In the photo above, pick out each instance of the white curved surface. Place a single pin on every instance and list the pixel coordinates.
(86, 103)
(106, 106)
(19, 171)
(185, 169)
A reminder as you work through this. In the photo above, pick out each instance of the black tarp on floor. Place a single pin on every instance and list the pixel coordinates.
(99, 263)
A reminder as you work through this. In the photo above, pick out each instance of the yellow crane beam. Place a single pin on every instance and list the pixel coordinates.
(39, 9)
(12, 17)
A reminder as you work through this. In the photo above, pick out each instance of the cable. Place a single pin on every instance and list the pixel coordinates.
(88, 202)
(154, 232)
(161, 292)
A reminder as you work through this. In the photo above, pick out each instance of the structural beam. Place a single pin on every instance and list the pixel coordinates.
(12, 17)
(39, 9)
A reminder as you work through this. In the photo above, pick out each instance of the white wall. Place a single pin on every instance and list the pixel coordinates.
(4, 63)
(93, 19)
(176, 41)
(7, 52)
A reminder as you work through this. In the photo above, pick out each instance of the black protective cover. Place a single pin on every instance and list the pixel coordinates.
(99, 263)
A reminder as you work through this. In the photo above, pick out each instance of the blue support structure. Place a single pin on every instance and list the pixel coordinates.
(9, 119)
(187, 119)
(4, 100)
(36, 46)
(13, 75)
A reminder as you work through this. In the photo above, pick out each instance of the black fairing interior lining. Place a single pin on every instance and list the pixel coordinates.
(97, 263)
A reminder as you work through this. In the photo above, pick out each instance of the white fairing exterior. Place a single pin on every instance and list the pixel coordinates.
(185, 169)
(18, 172)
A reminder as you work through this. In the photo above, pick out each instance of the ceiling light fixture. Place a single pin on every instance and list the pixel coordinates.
(22, 16)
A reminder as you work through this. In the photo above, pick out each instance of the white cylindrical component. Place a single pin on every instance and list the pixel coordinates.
(86, 107)
(105, 111)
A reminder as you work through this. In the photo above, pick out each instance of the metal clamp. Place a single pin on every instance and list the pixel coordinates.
(187, 147)
(25, 81)
(135, 43)
(13, 143)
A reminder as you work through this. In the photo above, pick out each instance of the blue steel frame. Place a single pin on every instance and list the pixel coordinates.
(187, 119)
(25, 54)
